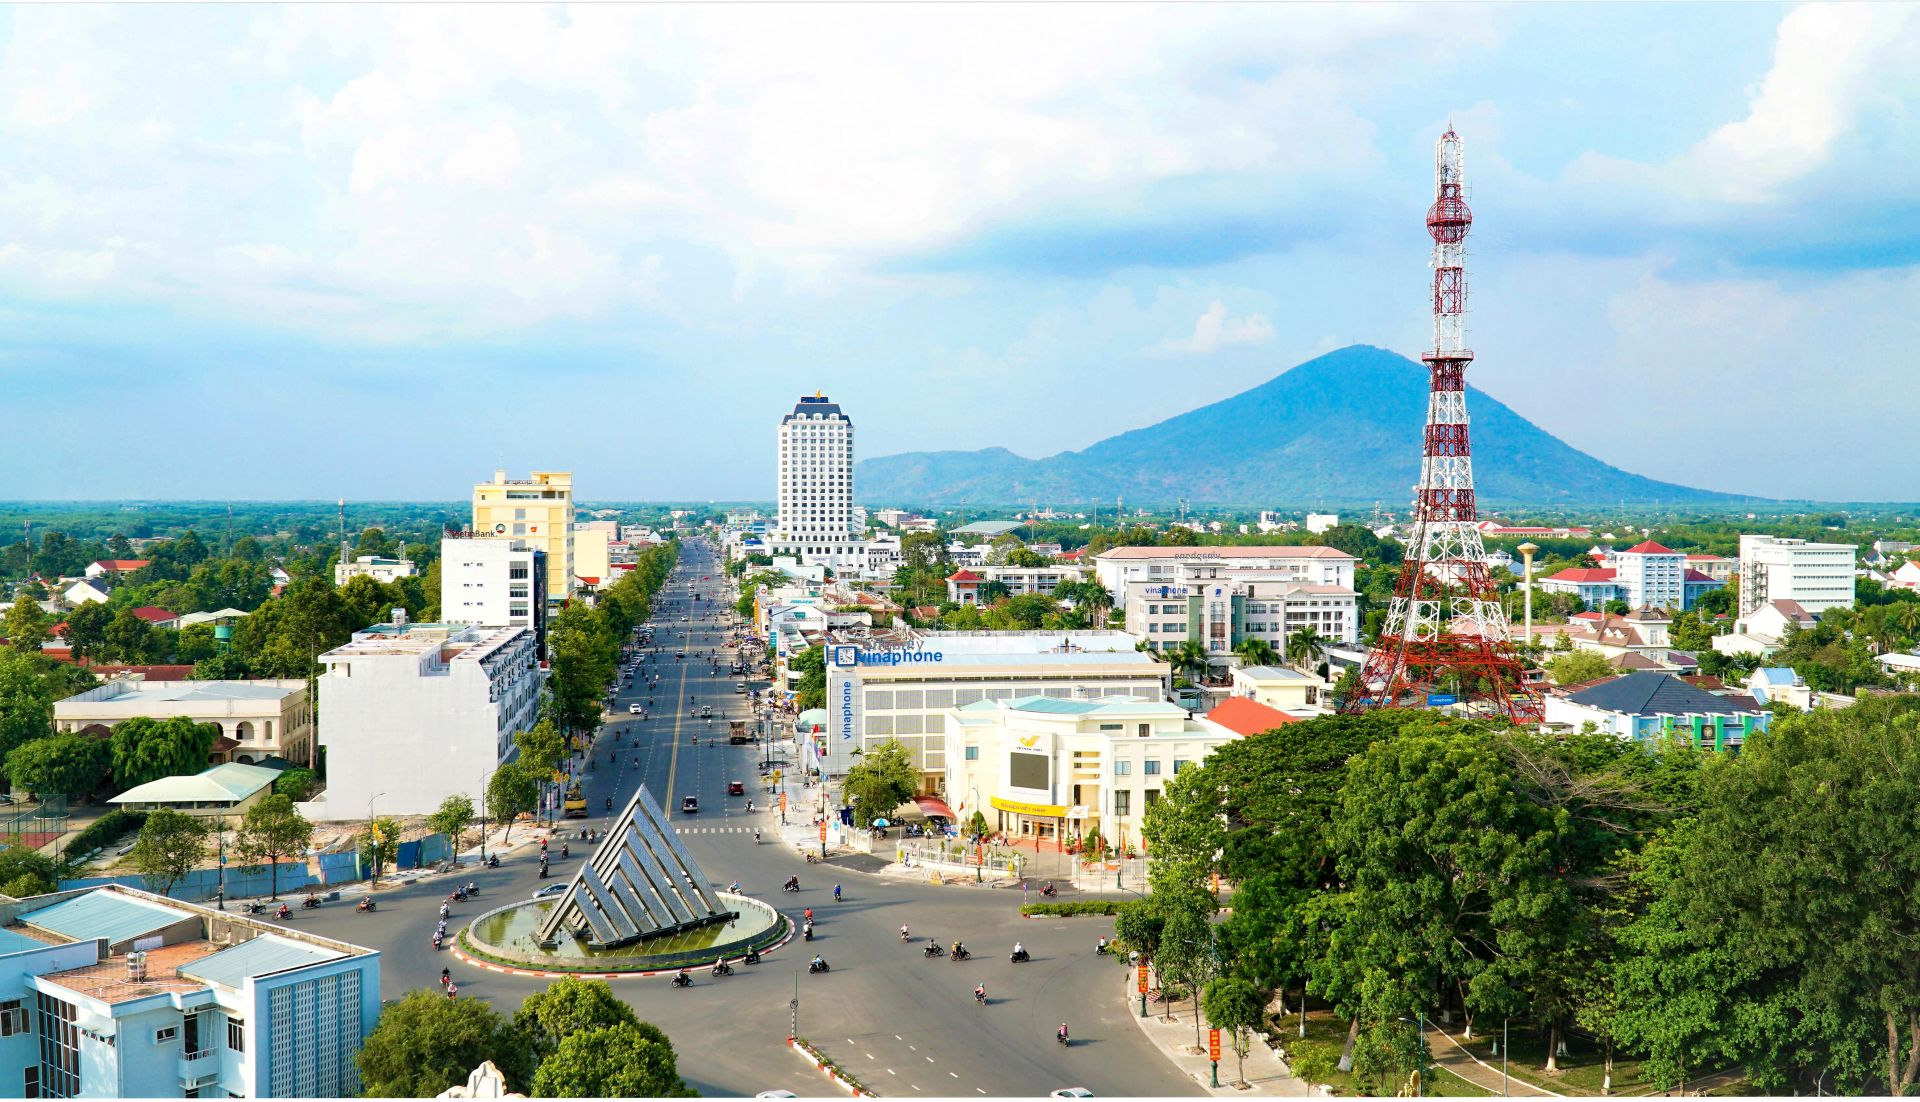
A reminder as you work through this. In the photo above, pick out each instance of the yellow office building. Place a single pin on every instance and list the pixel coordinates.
(538, 510)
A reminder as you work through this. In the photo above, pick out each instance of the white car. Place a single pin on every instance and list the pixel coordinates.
(1071, 1092)
(549, 890)
(633, 709)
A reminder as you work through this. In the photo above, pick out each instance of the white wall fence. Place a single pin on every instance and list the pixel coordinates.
(953, 858)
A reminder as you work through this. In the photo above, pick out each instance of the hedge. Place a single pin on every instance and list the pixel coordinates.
(1077, 907)
(106, 829)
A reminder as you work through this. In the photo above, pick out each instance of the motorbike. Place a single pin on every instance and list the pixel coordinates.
(792, 885)
(806, 932)
(1062, 1038)
(437, 941)
(752, 957)
(722, 968)
(1020, 957)
(962, 953)
(493, 860)
(1049, 890)
(256, 908)
(812, 860)
(543, 872)
(818, 966)
(366, 904)
(980, 995)
(309, 903)
(932, 950)
(683, 980)
(285, 912)
(458, 894)
(445, 910)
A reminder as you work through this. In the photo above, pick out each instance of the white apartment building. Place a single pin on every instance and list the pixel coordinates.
(593, 554)
(1045, 768)
(418, 712)
(378, 567)
(1225, 606)
(260, 719)
(1815, 576)
(1651, 576)
(495, 583)
(1321, 522)
(111, 992)
(538, 509)
(815, 488)
(1312, 565)
(963, 585)
(880, 691)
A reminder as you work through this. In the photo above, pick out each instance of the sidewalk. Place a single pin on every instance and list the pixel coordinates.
(1449, 1054)
(1267, 1074)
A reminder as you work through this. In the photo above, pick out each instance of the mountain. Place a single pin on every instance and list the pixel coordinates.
(1341, 429)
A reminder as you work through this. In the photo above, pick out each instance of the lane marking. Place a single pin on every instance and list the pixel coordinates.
(955, 1075)
(929, 1059)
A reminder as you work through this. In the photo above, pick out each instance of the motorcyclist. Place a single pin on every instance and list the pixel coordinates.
(836, 893)
(446, 976)
(903, 931)
(1019, 950)
(818, 961)
(1062, 1033)
(980, 993)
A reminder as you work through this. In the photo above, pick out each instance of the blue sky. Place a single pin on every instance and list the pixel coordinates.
(310, 252)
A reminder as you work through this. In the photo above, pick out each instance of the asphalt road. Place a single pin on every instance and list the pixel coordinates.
(904, 1024)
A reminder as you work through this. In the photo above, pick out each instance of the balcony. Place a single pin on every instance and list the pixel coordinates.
(198, 1065)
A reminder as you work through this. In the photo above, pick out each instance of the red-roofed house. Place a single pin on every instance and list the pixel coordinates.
(1246, 717)
(1646, 575)
(116, 566)
(157, 616)
(963, 587)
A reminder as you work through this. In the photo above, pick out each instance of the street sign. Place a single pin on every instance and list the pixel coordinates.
(823, 832)
(1441, 700)
(1213, 1045)
(1143, 979)
(783, 803)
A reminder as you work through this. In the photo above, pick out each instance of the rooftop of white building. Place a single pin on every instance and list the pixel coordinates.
(454, 641)
(1232, 551)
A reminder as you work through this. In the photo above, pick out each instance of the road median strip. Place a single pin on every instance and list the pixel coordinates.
(832, 1070)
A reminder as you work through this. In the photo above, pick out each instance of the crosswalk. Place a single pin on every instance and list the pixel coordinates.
(712, 830)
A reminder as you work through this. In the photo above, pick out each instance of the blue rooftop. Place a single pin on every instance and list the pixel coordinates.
(262, 956)
(117, 918)
(11, 942)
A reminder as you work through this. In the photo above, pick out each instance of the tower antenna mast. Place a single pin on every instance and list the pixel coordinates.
(1446, 633)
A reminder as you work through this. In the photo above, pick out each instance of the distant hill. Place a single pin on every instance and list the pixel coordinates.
(1340, 429)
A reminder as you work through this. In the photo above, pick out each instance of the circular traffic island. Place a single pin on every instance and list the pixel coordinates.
(504, 937)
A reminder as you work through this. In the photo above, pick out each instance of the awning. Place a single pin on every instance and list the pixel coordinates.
(934, 805)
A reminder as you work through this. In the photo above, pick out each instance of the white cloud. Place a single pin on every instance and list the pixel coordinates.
(1215, 330)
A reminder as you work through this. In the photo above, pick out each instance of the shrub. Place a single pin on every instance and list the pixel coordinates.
(106, 829)
(1077, 907)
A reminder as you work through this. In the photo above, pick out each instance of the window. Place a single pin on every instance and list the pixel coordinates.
(1113, 726)
(13, 1017)
(1153, 796)
(973, 753)
(1146, 729)
(1152, 768)
(1122, 804)
(167, 1035)
(237, 1034)
(1122, 768)
(1180, 763)
(32, 1085)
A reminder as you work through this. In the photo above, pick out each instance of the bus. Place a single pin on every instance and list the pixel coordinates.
(575, 806)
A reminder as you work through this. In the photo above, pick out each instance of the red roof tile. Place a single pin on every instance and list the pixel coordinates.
(1692, 575)
(1649, 548)
(1248, 717)
(122, 565)
(153, 614)
(1582, 574)
(963, 575)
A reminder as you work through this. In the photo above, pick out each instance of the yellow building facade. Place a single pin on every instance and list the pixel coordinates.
(538, 509)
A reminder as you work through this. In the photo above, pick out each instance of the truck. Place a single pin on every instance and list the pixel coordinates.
(737, 731)
(575, 806)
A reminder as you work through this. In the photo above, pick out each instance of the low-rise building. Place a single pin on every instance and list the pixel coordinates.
(1282, 688)
(88, 590)
(1053, 769)
(268, 718)
(963, 585)
(1118, 566)
(592, 555)
(227, 789)
(380, 568)
(1650, 706)
(1718, 568)
(1764, 629)
(898, 687)
(1223, 608)
(418, 712)
(1248, 717)
(102, 567)
(111, 992)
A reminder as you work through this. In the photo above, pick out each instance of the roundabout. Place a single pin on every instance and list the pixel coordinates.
(505, 940)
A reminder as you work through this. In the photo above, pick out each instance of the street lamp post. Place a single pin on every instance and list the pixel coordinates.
(484, 778)
(374, 837)
(1527, 551)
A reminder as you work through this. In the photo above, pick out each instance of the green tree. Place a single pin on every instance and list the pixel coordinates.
(1189, 659)
(381, 846)
(26, 625)
(569, 1006)
(25, 872)
(1138, 924)
(171, 845)
(1577, 666)
(883, 779)
(453, 817)
(584, 655)
(273, 829)
(72, 765)
(87, 629)
(619, 1061)
(296, 784)
(1255, 651)
(811, 665)
(425, 1043)
(542, 749)
(1234, 1005)
(992, 591)
(1306, 645)
(129, 638)
(147, 749)
(511, 792)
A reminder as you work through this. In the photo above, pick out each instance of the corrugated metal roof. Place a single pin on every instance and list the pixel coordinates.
(11, 942)
(117, 918)
(1053, 705)
(264, 954)
(222, 783)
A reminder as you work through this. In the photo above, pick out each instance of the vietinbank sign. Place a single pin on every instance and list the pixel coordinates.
(849, 656)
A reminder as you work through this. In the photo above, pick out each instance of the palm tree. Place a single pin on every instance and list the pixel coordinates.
(1189, 657)
(1306, 644)
(1254, 651)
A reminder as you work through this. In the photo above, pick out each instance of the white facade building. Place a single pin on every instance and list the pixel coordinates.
(378, 567)
(1045, 768)
(1225, 606)
(1312, 565)
(1815, 576)
(417, 712)
(1320, 522)
(263, 718)
(495, 583)
(815, 488)
(111, 992)
(1652, 576)
(878, 692)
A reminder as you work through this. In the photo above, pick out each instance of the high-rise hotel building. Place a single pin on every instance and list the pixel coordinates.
(816, 487)
(534, 512)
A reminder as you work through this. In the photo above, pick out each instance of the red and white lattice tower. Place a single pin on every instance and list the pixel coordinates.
(1446, 632)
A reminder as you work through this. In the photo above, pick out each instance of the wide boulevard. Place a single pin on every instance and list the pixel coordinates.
(904, 1024)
